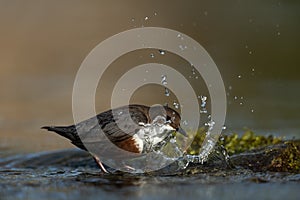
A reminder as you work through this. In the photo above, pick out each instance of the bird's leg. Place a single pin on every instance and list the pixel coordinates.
(98, 161)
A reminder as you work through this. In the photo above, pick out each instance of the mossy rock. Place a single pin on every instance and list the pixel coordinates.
(256, 152)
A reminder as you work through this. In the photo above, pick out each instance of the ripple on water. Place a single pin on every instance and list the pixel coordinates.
(73, 174)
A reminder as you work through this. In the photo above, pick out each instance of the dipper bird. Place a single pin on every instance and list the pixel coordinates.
(134, 128)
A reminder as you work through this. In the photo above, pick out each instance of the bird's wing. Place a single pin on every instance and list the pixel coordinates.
(117, 125)
(121, 123)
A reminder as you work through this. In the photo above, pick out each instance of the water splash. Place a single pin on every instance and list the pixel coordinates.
(210, 124)
(203, 101)
(203, 104)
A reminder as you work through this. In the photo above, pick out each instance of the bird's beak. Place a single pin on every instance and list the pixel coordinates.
(181, 131)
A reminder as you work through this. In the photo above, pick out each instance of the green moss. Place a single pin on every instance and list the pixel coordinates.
(248, 141)
(270, 153)
(197, 142)
(288, 160)
(235, 144)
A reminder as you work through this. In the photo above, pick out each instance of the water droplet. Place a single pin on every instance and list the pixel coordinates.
(196, 77)
(250, 52)
(180, 36)
(252, 110)
(193, 71)
(155, 13)
(152, 55)
(167, 92)
(246, 46)
(182, 47)
(253, 69)
(210, 125)
(185, 122)
(239, 76)
(172, 140)
(203, 104)
(241, 103)
(224, 127)
(235, 97)
(132, 19)
(162, 52)
(241, 97)
(203, 111)
(203, 100)
(278, 33)
(176, 105)
(164, 80)
(146, 18)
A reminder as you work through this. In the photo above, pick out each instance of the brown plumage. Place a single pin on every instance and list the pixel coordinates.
(124, 127)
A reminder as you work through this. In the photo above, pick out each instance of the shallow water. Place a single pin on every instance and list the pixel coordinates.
(73, 174)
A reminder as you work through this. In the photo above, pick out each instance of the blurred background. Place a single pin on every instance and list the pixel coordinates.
(255, 45)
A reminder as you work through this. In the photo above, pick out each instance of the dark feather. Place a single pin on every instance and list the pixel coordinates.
(115, 124)
(68, 132)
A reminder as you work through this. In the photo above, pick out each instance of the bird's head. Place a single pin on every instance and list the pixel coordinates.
(172, 117)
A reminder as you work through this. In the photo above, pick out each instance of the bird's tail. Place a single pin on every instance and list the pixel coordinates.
(65, 131)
